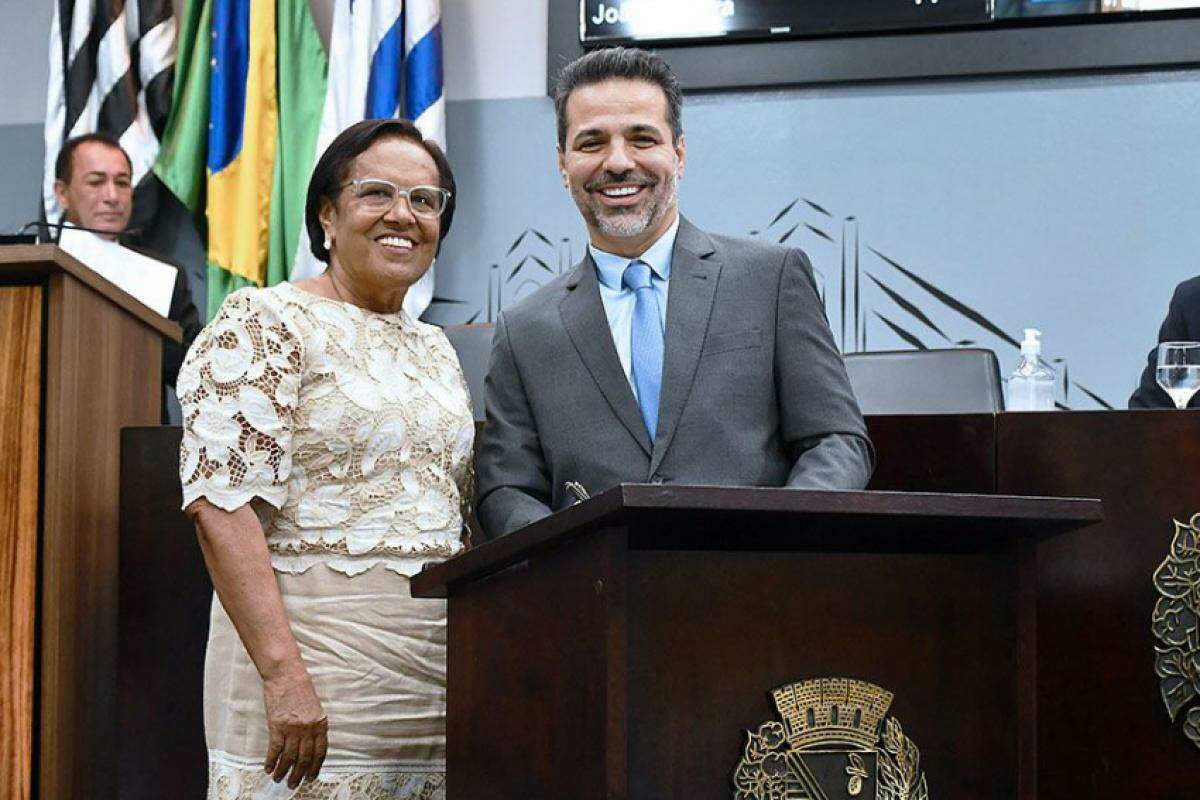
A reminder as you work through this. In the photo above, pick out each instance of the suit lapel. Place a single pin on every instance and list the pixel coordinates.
(583, 316)
(694, 277)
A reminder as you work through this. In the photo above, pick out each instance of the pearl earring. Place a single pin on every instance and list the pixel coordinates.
(328, 241)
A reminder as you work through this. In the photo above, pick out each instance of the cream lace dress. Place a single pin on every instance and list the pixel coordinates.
(350, 433)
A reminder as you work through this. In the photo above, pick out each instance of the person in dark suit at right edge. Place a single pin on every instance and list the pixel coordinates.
(1181, 325)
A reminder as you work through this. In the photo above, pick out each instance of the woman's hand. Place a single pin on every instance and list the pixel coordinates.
(235, 551)
(297, 725)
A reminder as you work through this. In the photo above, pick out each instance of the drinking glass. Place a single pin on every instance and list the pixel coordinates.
(1178, 370)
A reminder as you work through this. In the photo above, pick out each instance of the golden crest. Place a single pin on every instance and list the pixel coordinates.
(833, 740)
(1176, 625)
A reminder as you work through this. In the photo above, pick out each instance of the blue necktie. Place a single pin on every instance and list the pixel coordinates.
(647, 343)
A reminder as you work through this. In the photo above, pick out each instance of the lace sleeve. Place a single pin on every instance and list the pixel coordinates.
(238, 390)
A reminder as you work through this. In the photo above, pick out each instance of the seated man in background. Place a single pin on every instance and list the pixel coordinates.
(1181, 325)
(667, 355)
(94, 185)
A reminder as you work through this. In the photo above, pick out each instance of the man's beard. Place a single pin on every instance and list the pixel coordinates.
(626, 222)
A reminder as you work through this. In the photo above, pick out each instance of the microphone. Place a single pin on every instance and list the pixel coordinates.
(61, 226)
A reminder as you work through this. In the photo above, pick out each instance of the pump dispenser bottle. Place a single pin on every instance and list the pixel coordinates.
(1031, 386)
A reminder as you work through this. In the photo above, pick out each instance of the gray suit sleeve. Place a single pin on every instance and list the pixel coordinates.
(820, 420)
(833, 461)
(514, 483)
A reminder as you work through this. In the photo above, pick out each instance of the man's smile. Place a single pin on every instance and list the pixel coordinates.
(621, 195)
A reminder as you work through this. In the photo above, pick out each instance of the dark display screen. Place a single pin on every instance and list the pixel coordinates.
(682, 20)
(663, 21)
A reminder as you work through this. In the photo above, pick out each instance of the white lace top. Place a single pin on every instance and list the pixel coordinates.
(350, 430)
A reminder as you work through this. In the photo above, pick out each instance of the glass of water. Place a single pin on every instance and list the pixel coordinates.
(1178, 370)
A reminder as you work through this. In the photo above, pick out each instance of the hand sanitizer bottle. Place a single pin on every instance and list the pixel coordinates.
(1031, 386)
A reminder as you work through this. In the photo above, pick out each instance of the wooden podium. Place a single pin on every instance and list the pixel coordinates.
(623, 647)
(79, 360)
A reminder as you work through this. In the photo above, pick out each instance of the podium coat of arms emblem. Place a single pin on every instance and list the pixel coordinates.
(1176, 626)
(833, 741)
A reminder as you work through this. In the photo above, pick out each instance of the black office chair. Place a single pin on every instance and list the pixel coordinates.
(950, 381)
(473, 343)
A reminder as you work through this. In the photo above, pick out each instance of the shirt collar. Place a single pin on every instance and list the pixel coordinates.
(610, 268)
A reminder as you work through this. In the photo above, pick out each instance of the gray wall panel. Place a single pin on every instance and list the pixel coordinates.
(24, 61)
(21, 148)
(1061, 203)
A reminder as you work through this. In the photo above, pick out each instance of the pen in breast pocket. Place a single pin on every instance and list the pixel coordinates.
(575, 489)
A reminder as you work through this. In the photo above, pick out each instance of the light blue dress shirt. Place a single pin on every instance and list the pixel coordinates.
(619, 301)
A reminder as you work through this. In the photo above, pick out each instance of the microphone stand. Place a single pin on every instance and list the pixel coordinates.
(44, 238)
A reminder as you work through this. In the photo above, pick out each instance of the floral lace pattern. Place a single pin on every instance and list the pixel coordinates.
(351, 431)
(228, 780)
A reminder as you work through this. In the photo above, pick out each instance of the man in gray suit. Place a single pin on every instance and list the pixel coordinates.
(667, 355)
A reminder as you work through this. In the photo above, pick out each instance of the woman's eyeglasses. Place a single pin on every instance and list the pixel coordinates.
(378, 196)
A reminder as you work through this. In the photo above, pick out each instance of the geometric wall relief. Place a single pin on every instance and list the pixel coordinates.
(864, 291)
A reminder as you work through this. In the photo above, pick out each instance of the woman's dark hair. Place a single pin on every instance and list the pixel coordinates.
(333, 168)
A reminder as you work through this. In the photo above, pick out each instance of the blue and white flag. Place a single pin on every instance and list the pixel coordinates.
(385, 58)
(424, 99)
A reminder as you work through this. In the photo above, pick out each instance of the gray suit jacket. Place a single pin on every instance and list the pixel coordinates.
(754, 390)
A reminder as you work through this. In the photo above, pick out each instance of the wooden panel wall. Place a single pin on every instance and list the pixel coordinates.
(934, 453)
(103, 372)
(1103, 730)
(165, 597)
(20, 398)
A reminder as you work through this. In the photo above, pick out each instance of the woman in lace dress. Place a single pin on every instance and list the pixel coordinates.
(325, 458)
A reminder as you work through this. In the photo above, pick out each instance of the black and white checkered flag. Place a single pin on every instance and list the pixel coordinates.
(111, 69)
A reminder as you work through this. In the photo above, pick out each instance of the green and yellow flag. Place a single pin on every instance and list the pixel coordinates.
(239, 145)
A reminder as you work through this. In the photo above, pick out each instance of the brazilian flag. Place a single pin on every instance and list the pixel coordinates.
(240, 142)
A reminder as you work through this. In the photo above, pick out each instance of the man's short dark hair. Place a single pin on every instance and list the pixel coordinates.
(66, 156)
(333, 167)
(618, 62)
